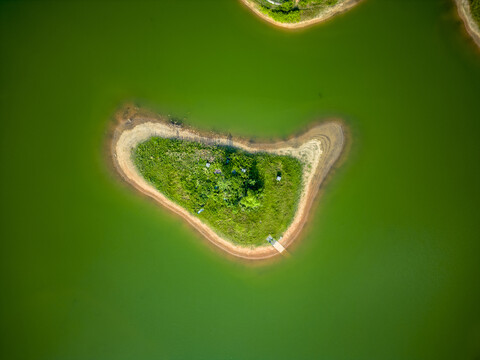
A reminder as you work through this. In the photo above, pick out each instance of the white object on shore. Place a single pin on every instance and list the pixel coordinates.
(273, 2)
(279, 247)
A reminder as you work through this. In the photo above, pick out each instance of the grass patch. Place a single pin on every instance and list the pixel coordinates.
(475, 10)
(307, 3)
(234, 192)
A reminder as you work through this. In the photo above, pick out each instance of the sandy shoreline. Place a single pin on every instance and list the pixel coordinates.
(325, 15)
(319, 147)
(463, 7)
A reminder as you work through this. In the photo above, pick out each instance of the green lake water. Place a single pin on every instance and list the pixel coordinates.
(389, 264)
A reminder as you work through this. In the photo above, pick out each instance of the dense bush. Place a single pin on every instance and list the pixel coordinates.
(238, 191)
(290, 12)
(290, 16)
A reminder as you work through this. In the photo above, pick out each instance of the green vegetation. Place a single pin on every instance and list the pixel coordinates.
(475, 10)
(306, 3)
(234, 192)
(288, 11)
(290, 16)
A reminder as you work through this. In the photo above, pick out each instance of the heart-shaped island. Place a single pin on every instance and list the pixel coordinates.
(249, 199)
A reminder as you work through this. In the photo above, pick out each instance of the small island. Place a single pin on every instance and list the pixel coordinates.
(294, 14)
(249, 199)
(469, 12)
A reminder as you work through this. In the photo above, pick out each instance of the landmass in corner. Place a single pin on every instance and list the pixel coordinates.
(293, 14)
(469, 11)
(241, 196)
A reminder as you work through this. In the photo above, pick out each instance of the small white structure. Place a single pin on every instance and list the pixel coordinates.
(207, 165)
(199, 211)
(244, 170)
(279, 178)
(279, 247)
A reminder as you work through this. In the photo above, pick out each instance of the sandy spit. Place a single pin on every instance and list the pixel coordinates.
(318, 148)
(472, 27)
(337, 9)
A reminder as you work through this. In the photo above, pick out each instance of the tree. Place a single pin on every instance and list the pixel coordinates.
(250, 201)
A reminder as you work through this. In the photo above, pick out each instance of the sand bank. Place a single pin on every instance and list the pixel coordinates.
(318, 149)
(329, 12)
(472, 27)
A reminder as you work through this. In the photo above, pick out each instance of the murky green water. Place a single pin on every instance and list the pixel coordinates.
(389, 264)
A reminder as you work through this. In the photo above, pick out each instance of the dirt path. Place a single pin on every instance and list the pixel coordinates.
(329, 12)
(318, 149)
(472, 27)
